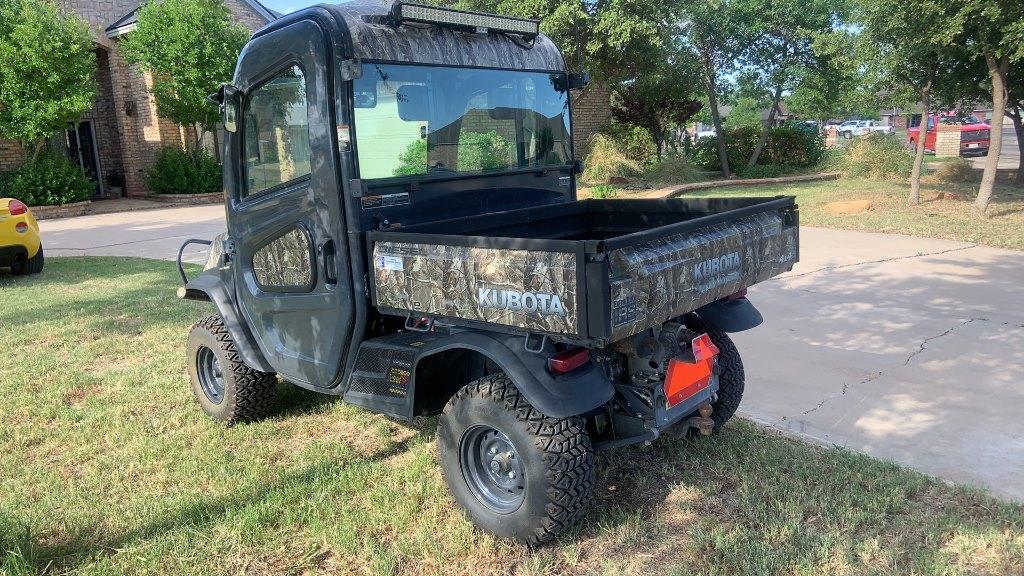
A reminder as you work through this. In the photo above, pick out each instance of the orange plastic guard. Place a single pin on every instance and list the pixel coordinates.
(684, 379)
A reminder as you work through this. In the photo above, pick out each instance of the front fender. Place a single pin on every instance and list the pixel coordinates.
(211, 285)
(577, 392)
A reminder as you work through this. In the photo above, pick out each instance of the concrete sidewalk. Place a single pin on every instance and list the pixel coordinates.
(905, 348)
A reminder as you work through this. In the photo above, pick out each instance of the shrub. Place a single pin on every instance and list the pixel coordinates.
(607, 159)
(603, 191)
(636, 142)
(50, 179)
(179, 172)
(878, 157)
(675, 170)
(785, 146)
(957, 170)
(763, 171)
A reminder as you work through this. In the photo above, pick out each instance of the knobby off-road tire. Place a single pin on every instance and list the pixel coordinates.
(553, 455)
(244, 394)
(33, 265)
(730, 376)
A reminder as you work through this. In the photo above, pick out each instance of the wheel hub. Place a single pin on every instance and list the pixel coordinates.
(211, 376)
(492, 468)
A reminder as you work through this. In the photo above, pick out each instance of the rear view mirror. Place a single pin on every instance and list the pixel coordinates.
(412, 103)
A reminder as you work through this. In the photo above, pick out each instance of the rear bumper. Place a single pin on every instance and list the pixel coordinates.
(976, 147)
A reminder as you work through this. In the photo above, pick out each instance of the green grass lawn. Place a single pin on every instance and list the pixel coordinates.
(107, 466)
(934, 218)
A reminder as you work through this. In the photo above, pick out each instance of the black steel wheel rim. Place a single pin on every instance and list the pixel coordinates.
(211, 377)
(492, 468)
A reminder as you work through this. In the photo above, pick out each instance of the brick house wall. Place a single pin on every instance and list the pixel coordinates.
(591, 110)
(128, 131)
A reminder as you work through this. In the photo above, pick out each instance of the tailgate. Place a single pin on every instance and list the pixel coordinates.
(521, 284)
(664, 276)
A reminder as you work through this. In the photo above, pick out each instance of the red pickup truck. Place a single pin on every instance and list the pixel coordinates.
(974, 133)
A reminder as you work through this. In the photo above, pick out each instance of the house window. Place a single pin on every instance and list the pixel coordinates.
(276, 132)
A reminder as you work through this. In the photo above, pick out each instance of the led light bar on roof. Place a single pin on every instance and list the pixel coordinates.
(403, 12)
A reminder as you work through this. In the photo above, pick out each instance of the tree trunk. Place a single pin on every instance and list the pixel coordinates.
(766, 128)
(716, 118)
(922, 135)
(997, 72)
(1017, 115)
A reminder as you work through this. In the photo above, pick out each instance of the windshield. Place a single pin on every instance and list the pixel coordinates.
(412, 120)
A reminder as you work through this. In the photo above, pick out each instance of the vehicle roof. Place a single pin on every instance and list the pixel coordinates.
(361, 31)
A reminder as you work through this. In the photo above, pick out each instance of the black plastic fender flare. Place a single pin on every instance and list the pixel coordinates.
(730, 315)
(572, 394)
(211, 286)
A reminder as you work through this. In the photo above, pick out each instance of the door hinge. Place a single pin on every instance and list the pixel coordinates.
(357, 188)
(351, 69)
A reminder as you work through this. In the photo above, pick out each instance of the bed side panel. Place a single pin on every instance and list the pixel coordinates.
(527, 289)
(657, 280)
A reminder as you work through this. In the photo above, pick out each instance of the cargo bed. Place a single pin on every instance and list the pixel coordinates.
(591, 272)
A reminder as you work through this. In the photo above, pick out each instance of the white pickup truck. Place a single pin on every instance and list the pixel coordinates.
(869, 126)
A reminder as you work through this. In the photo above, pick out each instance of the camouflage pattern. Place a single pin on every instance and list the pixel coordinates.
(285, 261)
(418, 44)
(511, 287)
(664, 278)
(216, 251)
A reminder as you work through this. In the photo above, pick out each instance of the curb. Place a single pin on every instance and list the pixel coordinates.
(187, 199)
(672, 192)
(61, 210)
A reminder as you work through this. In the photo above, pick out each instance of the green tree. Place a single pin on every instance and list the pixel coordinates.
(908, 58)
(657, 101)
(190, 47)
(746, 112)
(46, 71)
(715, 32)
(994, 28)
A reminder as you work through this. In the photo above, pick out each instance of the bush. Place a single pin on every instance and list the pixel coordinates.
(48, 180)
(674, 170)
(957, 170)
(607, 159)
(785, 146)
(763, 171)
(603, 191)
(636, 142)
(876, 156)
(179, 172)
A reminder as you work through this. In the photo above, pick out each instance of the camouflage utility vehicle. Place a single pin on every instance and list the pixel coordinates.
(403, 231)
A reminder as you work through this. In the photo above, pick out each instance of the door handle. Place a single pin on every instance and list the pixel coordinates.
(330, 267)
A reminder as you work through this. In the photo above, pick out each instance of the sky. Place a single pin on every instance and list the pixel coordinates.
(286, 6)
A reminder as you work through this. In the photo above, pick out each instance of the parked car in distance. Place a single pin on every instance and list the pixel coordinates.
(974, 134)
(21, 249)
(868, 126)
(705, 134)
(845, 129)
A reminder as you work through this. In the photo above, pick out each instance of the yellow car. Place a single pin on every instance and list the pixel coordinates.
(21, 250)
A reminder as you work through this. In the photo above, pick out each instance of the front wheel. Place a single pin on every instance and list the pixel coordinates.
(227, 389)
(517, 473)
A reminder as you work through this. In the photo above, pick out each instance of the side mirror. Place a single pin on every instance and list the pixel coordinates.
(577, 166)
(578, 81)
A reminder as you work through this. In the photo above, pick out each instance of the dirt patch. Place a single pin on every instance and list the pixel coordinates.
(847, 207)
(77, 396)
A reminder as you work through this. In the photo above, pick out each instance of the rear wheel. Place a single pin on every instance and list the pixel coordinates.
(226, 388)
(517, 473)
(33, 265)
(730, 375)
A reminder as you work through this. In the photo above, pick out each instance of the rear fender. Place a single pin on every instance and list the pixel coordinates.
(730, 315)
(577, 392)
(215, 285)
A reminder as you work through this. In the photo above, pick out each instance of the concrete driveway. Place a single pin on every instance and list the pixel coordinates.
(904, 348)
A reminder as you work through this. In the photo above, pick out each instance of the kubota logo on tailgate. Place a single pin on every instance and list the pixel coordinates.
(515, 301)
(717, 271)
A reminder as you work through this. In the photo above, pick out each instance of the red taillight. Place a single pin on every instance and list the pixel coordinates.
(21, 227)
(17, 207)
(568, 360)
(737, 295)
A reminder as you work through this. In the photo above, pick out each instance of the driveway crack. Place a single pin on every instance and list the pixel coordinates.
(891, 259)
(921, 347)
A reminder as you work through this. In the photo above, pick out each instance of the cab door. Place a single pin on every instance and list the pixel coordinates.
(285, 215)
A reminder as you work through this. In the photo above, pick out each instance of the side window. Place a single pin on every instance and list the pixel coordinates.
(285, 264)
(276, 132)
(931, 123)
